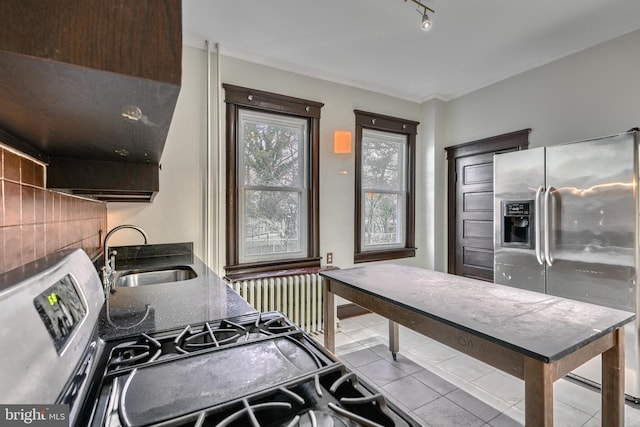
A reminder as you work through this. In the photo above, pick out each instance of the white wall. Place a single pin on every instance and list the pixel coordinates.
(433, 174)
(177, 212)
(589, 94)
(592, 93)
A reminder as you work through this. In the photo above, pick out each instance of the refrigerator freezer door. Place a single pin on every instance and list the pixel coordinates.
(592, 213)
(517, 177)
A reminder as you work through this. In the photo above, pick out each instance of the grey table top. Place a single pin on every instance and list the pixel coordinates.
(541, 326)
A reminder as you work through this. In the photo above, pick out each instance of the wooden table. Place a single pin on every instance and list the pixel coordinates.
(536, 337)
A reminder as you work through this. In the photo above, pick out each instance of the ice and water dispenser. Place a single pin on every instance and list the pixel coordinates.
(518, 224)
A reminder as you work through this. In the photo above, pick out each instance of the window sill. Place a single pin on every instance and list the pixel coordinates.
(385, 255)
(234, 273)
(281, 273)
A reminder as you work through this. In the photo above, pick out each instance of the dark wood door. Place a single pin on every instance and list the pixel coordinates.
(471, 202)
(474, 219)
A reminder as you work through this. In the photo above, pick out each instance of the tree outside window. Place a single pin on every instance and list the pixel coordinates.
(383, 189)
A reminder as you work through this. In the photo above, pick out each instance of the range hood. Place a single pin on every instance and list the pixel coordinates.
(91, 90)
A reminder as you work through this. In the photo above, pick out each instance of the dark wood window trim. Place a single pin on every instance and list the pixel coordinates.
(237, 97)
(281, 273)
(518, 140)
(368, 120)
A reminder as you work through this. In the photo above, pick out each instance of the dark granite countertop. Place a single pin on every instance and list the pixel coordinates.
(171, 305)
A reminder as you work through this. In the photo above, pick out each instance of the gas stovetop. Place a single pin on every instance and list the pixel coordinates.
(255, 370)
(196, 338)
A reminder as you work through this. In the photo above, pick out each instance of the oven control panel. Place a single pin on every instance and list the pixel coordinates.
(49, 311)
(61, 309)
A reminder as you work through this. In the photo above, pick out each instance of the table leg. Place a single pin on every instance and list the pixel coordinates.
(538, 393)
(329, 318)
(394, 339)
(613, 382)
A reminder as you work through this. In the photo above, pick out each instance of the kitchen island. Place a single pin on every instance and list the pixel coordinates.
(535, 337)
(170, 305)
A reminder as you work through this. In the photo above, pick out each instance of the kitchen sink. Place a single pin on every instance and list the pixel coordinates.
(134, 278)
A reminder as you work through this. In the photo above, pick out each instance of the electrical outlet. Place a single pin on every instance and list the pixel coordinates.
(329, 257)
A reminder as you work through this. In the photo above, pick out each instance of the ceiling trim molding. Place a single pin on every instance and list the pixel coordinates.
(304, 71)
(195, 41)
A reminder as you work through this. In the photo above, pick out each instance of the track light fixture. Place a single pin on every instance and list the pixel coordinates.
(426, 22)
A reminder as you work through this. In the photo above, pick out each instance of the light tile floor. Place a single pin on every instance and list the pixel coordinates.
(442, 387)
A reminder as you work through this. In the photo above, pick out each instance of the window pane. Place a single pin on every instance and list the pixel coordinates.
(383, 219)
(271, 223)
(383, 160)
(272, 149)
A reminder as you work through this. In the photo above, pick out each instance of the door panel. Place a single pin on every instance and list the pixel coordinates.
(477, 230)
(478, 173)
(478, 200)
(477, 256)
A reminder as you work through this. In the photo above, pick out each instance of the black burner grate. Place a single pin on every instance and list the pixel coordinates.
(227, 332)
(144, 349)
(195, 338)
(330, 397)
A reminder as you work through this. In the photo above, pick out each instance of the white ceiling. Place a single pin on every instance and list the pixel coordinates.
(378, 45)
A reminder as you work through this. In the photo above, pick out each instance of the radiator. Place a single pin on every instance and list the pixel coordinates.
(299, 297)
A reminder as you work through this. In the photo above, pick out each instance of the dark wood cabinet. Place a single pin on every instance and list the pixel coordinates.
(141, 38)
(91, 85)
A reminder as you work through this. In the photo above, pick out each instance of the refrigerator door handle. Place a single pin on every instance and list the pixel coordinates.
(547, 226)
(537, 225)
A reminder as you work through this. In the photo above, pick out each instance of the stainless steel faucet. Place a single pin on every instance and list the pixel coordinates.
(109, 269)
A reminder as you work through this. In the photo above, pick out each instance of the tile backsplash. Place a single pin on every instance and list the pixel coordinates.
(35, 221)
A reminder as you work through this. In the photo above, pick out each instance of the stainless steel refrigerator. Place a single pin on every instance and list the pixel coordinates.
(566, 224)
